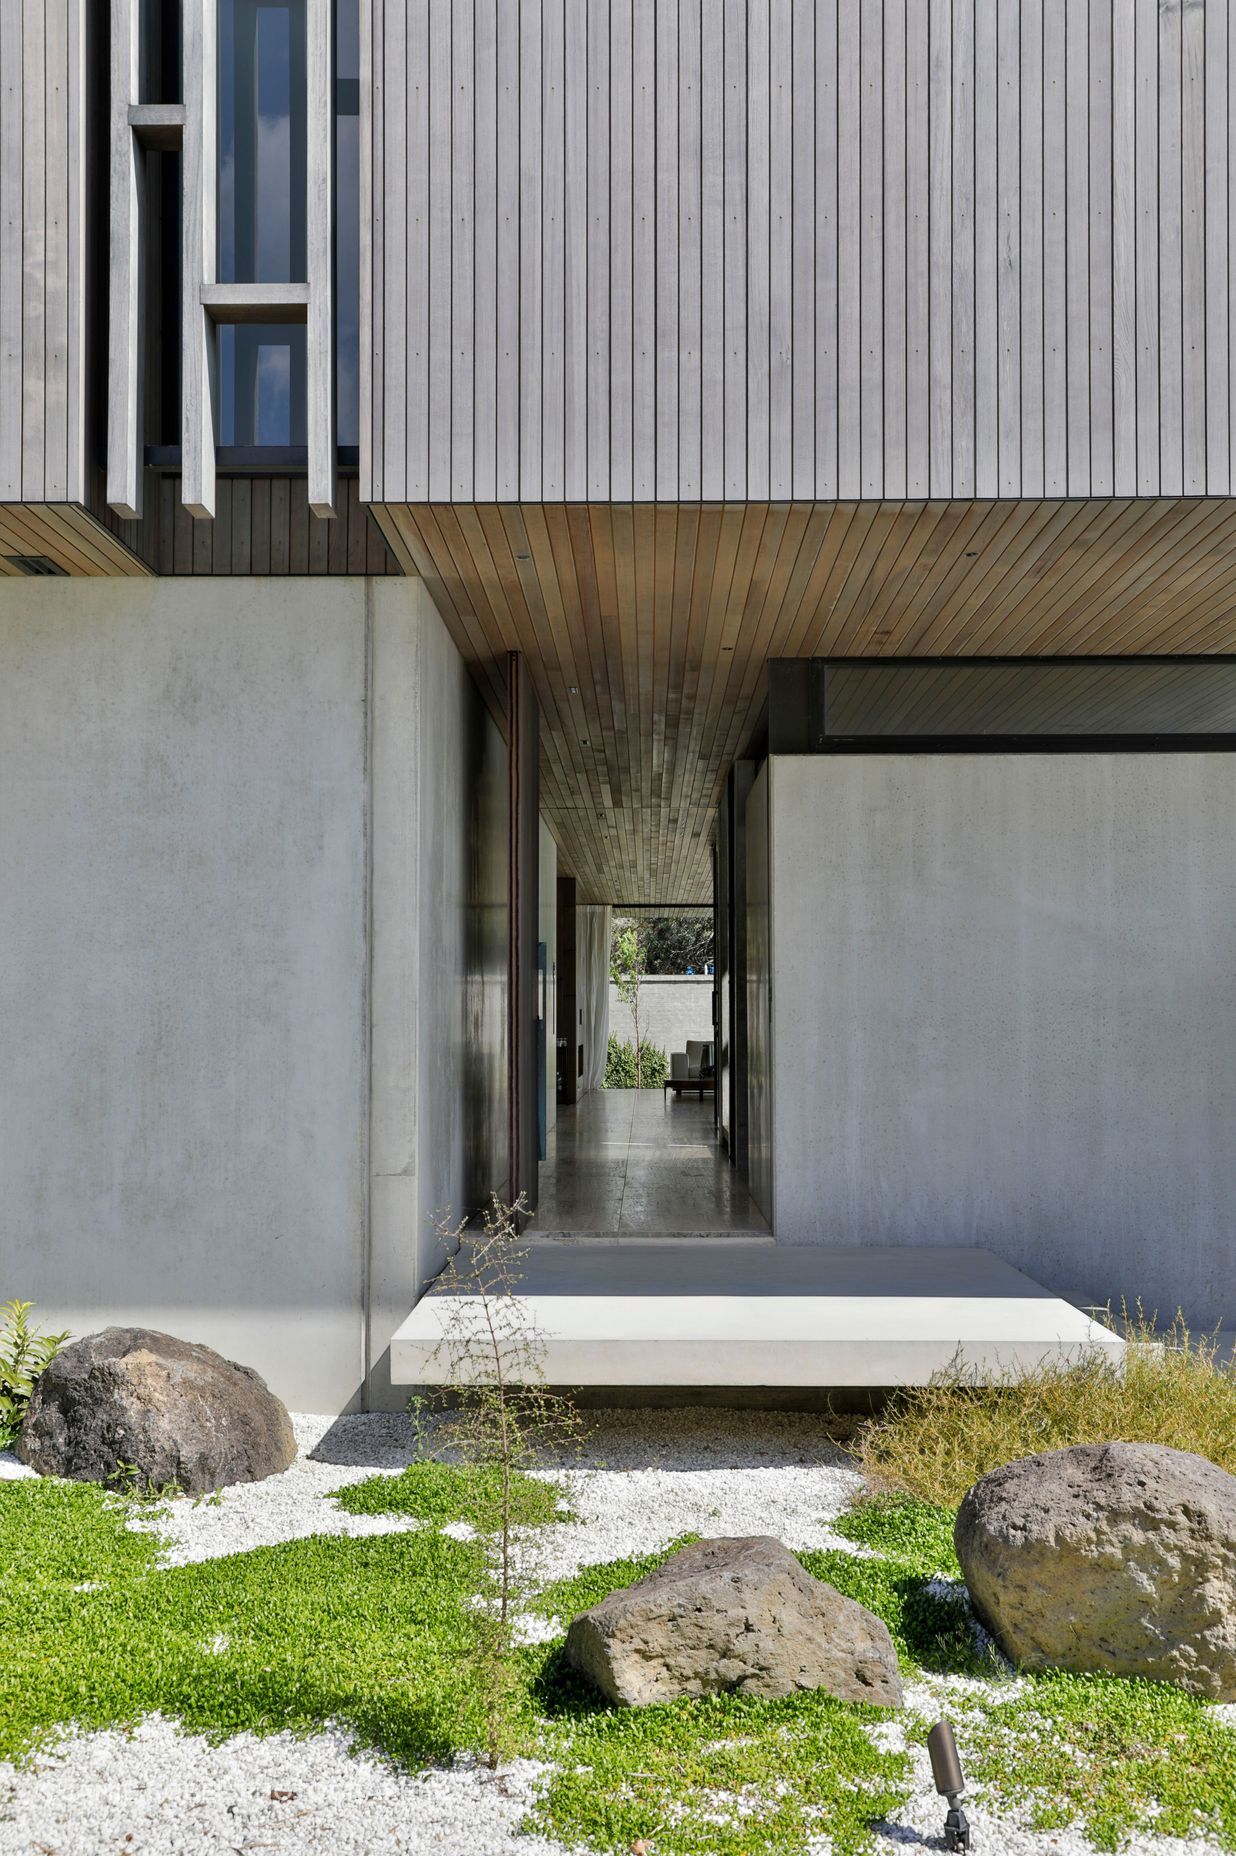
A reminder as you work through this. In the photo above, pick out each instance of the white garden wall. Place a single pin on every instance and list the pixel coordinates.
(673, 1008)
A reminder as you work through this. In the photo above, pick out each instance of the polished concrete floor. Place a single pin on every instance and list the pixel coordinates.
(631, 1163)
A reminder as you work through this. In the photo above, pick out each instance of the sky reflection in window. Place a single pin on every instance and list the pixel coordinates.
(262, 141)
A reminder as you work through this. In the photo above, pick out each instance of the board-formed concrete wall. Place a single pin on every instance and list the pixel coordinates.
(252, 962)
(183, 1075)
(1005, 1013)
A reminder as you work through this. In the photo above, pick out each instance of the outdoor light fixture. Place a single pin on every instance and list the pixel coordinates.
(946, 1771)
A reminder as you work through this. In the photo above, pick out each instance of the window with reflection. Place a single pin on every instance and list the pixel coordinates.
(347, 221)
(262, 141)
(262, 384)
(261, 216)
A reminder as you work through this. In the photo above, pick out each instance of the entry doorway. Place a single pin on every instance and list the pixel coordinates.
(637, 1153)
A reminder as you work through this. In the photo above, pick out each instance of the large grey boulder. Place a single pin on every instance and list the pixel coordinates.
(1108, 1557)
(733, 1617)
(177, 1411)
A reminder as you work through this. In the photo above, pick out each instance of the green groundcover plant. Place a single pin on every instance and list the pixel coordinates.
(376, 1634)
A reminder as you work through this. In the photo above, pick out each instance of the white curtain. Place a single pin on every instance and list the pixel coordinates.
(593, 927)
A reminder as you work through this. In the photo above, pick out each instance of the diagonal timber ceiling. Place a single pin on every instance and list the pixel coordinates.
(647, 628)
(65, 534)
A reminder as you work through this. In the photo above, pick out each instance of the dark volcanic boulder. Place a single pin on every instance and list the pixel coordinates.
(733, 1617)
(1108, 1557)
(176, 1411)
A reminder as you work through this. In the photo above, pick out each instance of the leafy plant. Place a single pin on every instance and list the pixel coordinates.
(499, 1417)
(627, 968)
(672, 943)
(130, 1483)
(24, 1352)
(623, 1071)
(1168, 1387)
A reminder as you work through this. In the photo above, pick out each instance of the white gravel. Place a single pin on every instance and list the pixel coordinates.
(158, 1792)
(647, 1477)
(721, 1473)
(331, 1452)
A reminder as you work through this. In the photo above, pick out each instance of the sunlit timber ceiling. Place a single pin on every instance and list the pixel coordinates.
(66, 537)
(647, 628)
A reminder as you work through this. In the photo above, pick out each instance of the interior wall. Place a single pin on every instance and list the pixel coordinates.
(593, 930)
(548, 910)
(759, 971)
(1006, 1007)
(183, 1073)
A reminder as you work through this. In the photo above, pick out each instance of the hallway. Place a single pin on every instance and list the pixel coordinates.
(632, 1163)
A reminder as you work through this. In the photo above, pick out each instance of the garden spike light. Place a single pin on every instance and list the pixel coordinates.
(950, 1783)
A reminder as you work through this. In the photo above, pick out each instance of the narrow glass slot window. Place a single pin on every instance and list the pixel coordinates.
(262, 384)
(160, 74)
(262, 141)
(347, 222)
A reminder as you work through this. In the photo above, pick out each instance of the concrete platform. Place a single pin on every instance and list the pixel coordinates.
(695, 1312)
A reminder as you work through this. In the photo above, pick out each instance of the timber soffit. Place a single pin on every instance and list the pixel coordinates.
(647, 627)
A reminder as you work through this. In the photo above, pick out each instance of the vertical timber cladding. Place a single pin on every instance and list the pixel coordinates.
(43, 126)
(638, 250)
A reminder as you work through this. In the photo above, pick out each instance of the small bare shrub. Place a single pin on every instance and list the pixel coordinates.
(500, 1418)
(935, 1441)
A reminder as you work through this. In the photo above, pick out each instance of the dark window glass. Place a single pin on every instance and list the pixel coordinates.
(159, 61)
(347, 222)
(262, 384)
(1029, 698)
(161, 283)
(262, 141)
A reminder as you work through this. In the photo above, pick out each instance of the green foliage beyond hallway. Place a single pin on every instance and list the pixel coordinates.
(620, 1065)
(377, 1634)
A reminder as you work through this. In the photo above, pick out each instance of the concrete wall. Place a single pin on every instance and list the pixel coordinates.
(252, 962)
(673, 1007)
(184, 1080)
(760, 1076)
(438, 995)
(1023, 1037)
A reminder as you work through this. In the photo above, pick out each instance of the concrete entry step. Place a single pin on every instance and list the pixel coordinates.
(624, 1236)
(698, 1312)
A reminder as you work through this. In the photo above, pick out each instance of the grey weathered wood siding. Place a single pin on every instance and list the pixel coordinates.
(42, 251)
(764, 249)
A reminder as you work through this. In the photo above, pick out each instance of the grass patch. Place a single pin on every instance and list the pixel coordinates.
(380, 1635)
(935, 1441)
(444, 1492)
(721, 1777)
(1112, 1757)
(375, 1633)
(898, 1527)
